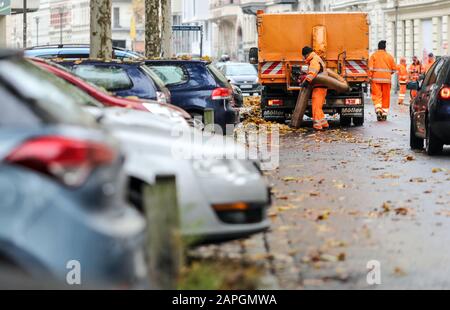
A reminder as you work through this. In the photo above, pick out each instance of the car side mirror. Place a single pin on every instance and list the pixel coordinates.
(253, 55)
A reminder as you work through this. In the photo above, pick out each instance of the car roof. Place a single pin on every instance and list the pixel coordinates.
(235, 63)
(74, 48)
(10, 53)
(99, 61)
(175, 61)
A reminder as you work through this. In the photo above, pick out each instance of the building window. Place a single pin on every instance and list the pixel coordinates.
(116, 18)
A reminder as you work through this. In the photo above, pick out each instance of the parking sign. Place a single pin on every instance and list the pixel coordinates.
(5, 7)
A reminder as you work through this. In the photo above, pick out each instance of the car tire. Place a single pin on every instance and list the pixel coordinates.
(346, 121)
(433, 144)
(358, 121)
(414, 142)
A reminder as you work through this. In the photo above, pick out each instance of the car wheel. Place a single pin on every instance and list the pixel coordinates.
(358, 121)
(345, 121)
(432, 143)
(414, 142)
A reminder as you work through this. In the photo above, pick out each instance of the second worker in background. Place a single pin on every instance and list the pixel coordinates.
(381, 67)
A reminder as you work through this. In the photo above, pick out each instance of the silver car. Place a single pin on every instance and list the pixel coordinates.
(220, 198)
(242, 75)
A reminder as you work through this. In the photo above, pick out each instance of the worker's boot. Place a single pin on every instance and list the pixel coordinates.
(379, 116)
(325, 124)
(317, 125)
(384, 117)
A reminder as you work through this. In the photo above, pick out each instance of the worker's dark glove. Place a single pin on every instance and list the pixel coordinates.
(305, 84)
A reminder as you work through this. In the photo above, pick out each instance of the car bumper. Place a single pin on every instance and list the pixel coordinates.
(440, 121)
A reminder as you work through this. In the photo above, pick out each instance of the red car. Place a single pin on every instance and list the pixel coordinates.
(106, 98)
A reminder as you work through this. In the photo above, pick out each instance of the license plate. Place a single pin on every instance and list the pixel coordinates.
(352, 112)
(246, 86)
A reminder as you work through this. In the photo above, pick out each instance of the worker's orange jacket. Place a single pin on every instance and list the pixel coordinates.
(316, 66)
(402, 74)
(427, 66)
(415, 70)
(381, 67)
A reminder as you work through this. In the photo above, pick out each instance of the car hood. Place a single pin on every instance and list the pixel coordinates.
(176, 136)
(243, 78)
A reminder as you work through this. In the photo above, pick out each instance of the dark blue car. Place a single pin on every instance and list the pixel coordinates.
(122, 78)
(196, 86)
(74, 51)
(430, 109)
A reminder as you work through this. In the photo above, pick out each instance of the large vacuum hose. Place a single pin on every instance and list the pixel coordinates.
(332, 80)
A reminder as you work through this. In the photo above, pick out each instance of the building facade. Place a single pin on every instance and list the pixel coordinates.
(411, 27)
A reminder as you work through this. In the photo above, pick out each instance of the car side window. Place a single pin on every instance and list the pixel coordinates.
(433, 73)
(112, 78)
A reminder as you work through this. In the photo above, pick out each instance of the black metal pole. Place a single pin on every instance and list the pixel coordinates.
(37, 31)
(24, 23)
(201, 42)
(60, 26)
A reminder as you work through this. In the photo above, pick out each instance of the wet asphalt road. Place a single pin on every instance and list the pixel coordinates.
(344, 197)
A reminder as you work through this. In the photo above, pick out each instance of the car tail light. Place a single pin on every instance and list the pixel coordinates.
(275, 102)
(445, 93)
(67, 160)
(221, 94)
(353, 101)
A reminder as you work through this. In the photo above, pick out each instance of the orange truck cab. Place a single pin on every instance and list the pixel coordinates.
(341, 39)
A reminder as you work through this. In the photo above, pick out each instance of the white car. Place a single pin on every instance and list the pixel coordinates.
(220, 199)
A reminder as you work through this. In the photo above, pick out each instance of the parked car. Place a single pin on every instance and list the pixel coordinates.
(196, 86)
(121, 78)
(61, 179)
(222, 197)
(74, 51)
(219, 198)
(243, 75)
(430, 109)
(109, 100)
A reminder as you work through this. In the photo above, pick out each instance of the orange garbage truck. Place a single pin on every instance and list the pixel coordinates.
(342, 41)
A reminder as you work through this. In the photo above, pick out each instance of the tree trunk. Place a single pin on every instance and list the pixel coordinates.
(152, 30)
(101, 42)
(166, 31)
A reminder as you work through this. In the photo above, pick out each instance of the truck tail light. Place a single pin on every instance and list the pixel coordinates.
(221, 94)
(275, 102)
(353, 101)
(67, 160)
(444, 93)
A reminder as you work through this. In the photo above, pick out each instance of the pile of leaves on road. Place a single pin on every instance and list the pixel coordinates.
(253, 121)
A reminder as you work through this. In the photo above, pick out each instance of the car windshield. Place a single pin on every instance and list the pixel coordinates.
(170, 74)
(110, 77)
(52, 94)
(241, 69)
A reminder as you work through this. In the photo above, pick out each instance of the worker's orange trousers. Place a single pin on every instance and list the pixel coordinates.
(402, 93)
(318, 100)
(381, 96)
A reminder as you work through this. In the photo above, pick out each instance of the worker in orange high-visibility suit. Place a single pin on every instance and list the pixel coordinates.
(402, 79)
(381, 67)
(414, 70)
(319, 93)
(429, 63)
